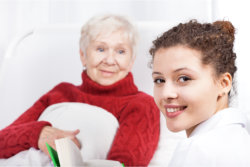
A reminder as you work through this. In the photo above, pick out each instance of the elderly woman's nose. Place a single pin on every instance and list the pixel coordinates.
(110, 57)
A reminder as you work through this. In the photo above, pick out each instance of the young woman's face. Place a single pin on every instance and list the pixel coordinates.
(108, 58)
(185, 90)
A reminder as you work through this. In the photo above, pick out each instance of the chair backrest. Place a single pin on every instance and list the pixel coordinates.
(34, 64)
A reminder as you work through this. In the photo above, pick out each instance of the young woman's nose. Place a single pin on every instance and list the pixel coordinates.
(169, 91)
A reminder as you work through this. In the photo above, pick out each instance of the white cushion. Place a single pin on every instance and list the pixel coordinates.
(97, 130)
(97, 126)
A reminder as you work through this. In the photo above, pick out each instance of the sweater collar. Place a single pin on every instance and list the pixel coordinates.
(123, 87)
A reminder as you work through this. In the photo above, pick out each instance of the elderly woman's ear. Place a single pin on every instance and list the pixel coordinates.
(82, 57)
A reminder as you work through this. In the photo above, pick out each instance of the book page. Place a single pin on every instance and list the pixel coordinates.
(102, 163)
(68, 153)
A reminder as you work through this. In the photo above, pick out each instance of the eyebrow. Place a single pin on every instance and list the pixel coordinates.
(99, 42)
(120, 44)
(183, 68)
(177, 70)
(156, 73)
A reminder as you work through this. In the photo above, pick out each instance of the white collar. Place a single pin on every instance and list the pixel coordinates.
(221, 118)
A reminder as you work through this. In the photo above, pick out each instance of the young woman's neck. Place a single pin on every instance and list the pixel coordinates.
(222, 103)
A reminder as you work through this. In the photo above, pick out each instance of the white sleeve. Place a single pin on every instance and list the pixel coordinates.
(190, 153)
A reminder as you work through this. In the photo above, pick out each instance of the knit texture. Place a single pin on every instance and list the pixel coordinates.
(139, 119)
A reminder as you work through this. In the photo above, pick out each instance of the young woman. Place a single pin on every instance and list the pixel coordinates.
(193, 70)
(107, 52)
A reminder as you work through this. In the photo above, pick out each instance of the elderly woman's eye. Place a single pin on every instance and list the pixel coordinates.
(121, 51)
(100, 49)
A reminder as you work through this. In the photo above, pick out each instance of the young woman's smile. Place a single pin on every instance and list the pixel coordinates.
(174, 110)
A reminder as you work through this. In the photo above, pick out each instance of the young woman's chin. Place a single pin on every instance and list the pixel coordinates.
(174, 128)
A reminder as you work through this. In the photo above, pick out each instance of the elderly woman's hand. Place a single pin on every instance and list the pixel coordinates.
(50, 134)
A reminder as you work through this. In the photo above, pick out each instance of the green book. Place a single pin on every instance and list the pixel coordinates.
(69, 155)
(53, 155)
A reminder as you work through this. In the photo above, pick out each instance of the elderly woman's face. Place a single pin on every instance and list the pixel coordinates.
(108, 58)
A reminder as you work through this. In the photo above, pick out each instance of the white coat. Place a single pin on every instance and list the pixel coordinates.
(220, 141)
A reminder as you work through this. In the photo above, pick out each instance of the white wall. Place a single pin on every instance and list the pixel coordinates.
(16, 16)
(238, 11)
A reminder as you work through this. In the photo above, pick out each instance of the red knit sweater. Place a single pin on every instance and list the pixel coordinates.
(139, 119)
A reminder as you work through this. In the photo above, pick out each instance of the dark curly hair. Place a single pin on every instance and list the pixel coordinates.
(214, 41)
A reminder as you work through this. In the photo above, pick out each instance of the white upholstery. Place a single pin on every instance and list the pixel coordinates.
(97, 126)
(46, 56)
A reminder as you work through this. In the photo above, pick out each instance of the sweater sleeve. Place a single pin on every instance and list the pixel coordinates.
(24, 132)
(137, 137)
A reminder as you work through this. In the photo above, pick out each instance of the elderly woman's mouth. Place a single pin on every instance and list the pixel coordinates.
(107, 73)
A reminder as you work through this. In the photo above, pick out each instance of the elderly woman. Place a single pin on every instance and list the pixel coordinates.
(107, 52)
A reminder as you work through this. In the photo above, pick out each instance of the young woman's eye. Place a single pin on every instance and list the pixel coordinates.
(184, 79)
(121, 51)
(159, 81)
(100, 49)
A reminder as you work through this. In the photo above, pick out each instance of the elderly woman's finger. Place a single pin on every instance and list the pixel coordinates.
(76, 132)
(76, 141)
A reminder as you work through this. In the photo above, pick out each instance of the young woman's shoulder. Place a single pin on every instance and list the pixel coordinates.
(219, 145)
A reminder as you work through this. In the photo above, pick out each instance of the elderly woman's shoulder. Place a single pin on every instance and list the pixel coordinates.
(146, 99)
(144, 105)
(65, 86)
